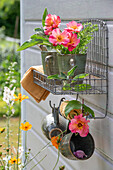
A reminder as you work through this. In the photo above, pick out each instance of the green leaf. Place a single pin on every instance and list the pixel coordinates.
(44, 40)
(89, 110)
(63, 76)
(35, 36)
(80, 76)
(40, 32)
(38, 29)
(67, 87)
(44, 17)
(29, 43)
(73, 104)
(71, 72)
(82, 87)
(56, 76)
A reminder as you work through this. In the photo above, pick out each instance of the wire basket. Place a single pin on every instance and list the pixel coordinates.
(96, 67)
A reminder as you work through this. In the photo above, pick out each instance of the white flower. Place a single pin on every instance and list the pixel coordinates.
(8, 94)
(6, 89)
(20, 149)
(5, 98)
(12, 103)
(13, 81)
(13, 111)
(11, 93)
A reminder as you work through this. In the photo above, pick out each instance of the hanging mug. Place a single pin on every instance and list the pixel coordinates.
(75, 147)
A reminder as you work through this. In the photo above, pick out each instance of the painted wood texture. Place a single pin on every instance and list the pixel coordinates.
(72, 9)
(31, 14)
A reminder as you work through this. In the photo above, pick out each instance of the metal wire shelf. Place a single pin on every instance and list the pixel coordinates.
(98, 85)
(96, 67)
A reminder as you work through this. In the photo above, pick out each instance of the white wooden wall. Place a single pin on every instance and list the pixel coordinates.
(102, 130)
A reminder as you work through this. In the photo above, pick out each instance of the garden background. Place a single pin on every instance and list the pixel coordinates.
(9, 41)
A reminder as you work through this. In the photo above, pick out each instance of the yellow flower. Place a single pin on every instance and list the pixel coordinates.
(14, 160)
(2, 130)
(20, 97)
(25, 126)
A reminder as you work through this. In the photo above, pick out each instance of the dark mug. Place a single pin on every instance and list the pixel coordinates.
(50, 63)
(51, 128)
(72, 144)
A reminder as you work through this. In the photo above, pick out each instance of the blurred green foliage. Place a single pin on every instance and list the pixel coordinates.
(9, 69)
(9, 10)
(8, 55)
(3, 108)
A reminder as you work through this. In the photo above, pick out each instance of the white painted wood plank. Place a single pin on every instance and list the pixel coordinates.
(33, 163)
(72, 9)
(110, 44)
(100, 100)
(103, 142)
(32, 57)
(29, 28)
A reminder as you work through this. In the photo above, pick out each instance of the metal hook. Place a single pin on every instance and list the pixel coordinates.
(77, 96)
(62, 99)
(50, 104)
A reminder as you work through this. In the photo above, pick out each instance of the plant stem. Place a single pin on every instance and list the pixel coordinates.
(25, 145)
(2, 161)
(18, 135)
(8, 137)
(41, 150)
(14, 166)
(18, 128)
(36, 154)
(57, 158)
(38, 162)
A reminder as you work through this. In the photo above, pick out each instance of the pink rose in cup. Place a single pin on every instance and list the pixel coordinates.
(51, 22)
(58, 37)
(79, 125)
(73, 41)
(73, 26)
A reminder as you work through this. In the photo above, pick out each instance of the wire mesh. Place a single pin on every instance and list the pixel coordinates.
(96, 67)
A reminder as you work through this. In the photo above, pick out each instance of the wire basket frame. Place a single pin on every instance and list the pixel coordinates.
(96, 67)
(97, 52)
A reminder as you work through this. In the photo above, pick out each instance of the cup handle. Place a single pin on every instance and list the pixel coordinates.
(47, 60)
